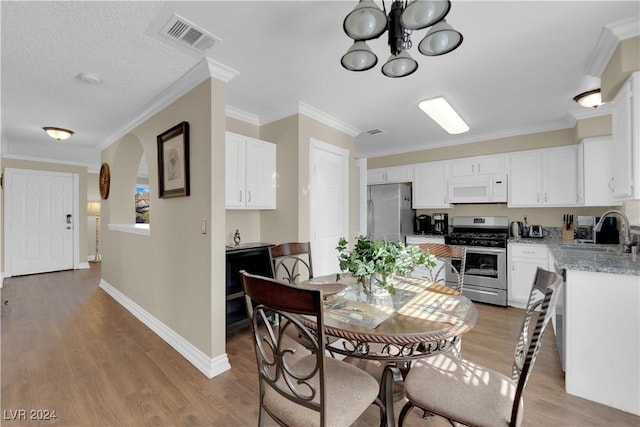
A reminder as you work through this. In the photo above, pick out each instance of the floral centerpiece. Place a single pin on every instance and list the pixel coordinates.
(378, 261)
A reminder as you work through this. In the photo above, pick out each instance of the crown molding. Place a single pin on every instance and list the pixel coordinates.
(314, 113)
(610, 37)
(549, 127)
(200, 72)
(587, 113)
(238, 114)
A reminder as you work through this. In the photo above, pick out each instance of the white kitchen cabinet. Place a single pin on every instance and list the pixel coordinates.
(522, 261)
(625, 125)
(598, 172)
(546, 177)
(430, 182)
(250, 173)
(390, 175)
(478, 165)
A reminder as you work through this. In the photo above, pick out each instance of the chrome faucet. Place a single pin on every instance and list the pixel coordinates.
(627, 228)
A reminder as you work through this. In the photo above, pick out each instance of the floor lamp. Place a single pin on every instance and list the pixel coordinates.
(93, 208)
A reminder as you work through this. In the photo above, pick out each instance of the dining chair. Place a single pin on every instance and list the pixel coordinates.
(468, 393)
(291, 262)
(448, 255)
(300, 391)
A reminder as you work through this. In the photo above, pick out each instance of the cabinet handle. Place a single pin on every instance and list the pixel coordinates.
(473, 168)
(538, 198)
(479, 168)
(611, 184)
(545, 197)
(240, 196)
(248, 196)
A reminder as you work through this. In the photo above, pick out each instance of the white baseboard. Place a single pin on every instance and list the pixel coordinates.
(83, 265)
(1, 279)
(205, 364)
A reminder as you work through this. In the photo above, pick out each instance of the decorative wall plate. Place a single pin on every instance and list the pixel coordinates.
(105, 180)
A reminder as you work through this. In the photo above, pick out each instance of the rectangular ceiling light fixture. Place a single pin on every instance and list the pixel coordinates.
(444, 114)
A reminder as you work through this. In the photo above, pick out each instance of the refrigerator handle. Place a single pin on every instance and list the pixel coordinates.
(370, 218)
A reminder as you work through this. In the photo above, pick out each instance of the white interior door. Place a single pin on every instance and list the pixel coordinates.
(329, 204)
(39, 221)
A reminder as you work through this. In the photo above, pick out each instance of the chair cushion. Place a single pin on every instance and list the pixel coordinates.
(350, 391)
(461, 390)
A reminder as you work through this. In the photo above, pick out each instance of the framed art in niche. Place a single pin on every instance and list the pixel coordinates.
(173, 162)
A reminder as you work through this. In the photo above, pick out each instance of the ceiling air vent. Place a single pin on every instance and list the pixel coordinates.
(375, 131)
(185, 33)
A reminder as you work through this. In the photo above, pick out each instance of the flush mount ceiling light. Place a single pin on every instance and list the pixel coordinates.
(444, 114)
(367, 22)
(589, 99)
(58, 133)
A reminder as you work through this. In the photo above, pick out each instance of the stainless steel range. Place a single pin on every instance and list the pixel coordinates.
(485, 275)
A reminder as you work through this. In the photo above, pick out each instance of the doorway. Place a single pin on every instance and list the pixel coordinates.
(328, 204)
(40, 221)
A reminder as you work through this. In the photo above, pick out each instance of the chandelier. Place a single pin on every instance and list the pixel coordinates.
(367, 22)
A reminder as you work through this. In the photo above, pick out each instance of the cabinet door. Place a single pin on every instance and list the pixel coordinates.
(261, 174)
(560, 176)
(462, 167)
(490, 164)
(622, 143)
(477, 165)
(430, 185)
(234, 171)
(523, 261)
(598, 172)
(390, 175)
(524, 179)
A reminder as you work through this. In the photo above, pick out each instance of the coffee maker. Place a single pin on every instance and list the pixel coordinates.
(440, 223)
(422, 224)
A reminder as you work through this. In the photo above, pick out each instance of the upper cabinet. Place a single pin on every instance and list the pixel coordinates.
(390, 175)
(478, 165)
(430, 185)
(547, 177)
(250, 173)
(625, 122)
(598, 172)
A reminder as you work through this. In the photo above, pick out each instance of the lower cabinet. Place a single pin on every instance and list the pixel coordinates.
(522, 261)
(253, 259)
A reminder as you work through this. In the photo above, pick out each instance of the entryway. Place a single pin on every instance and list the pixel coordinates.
(40, 221)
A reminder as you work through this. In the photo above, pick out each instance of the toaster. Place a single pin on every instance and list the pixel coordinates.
(535, 231)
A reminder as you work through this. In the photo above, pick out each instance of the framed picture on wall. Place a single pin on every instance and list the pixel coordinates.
(173, 162)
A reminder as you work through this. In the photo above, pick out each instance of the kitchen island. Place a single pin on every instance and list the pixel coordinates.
(601, 323)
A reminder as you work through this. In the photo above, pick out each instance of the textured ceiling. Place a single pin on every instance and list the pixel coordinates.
(516, 72)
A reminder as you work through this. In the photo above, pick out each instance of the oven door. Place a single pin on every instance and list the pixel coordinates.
(486, 267)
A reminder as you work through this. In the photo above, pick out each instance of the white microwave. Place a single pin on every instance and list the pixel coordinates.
(485, 188)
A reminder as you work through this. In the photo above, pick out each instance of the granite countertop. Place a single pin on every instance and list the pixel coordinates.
(586, 256)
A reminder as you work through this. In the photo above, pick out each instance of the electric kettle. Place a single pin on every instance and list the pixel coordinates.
(517, 228)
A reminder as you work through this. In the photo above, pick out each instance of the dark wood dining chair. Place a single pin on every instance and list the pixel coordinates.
(471, 394)
(291, 262)
(300, 391)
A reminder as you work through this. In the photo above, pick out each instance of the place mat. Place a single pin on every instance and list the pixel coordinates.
(356, 313)
(435, 307)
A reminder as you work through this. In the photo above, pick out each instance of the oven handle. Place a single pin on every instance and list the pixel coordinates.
(494, 293)
(481, 250)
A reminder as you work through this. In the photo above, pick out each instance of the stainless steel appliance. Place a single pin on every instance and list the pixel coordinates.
(440, 223)
(389, 212)
(583, 231)
(485, 275)
(536, 231)
(422, 224)
(517, 229)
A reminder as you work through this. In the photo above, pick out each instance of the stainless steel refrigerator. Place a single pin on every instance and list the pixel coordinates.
(389, 212)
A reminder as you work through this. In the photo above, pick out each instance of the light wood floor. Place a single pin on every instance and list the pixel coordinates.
(68, 347)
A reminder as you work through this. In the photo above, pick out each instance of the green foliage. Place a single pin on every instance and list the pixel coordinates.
(381, 257)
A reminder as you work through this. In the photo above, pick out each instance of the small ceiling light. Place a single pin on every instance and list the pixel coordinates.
(359, 57)
(58, 133)
(440, 39)
(589, 99)
(365, 22)
(399, 65)
(444, 114)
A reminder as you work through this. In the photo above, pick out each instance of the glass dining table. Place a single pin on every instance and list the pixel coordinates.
(421, 319)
